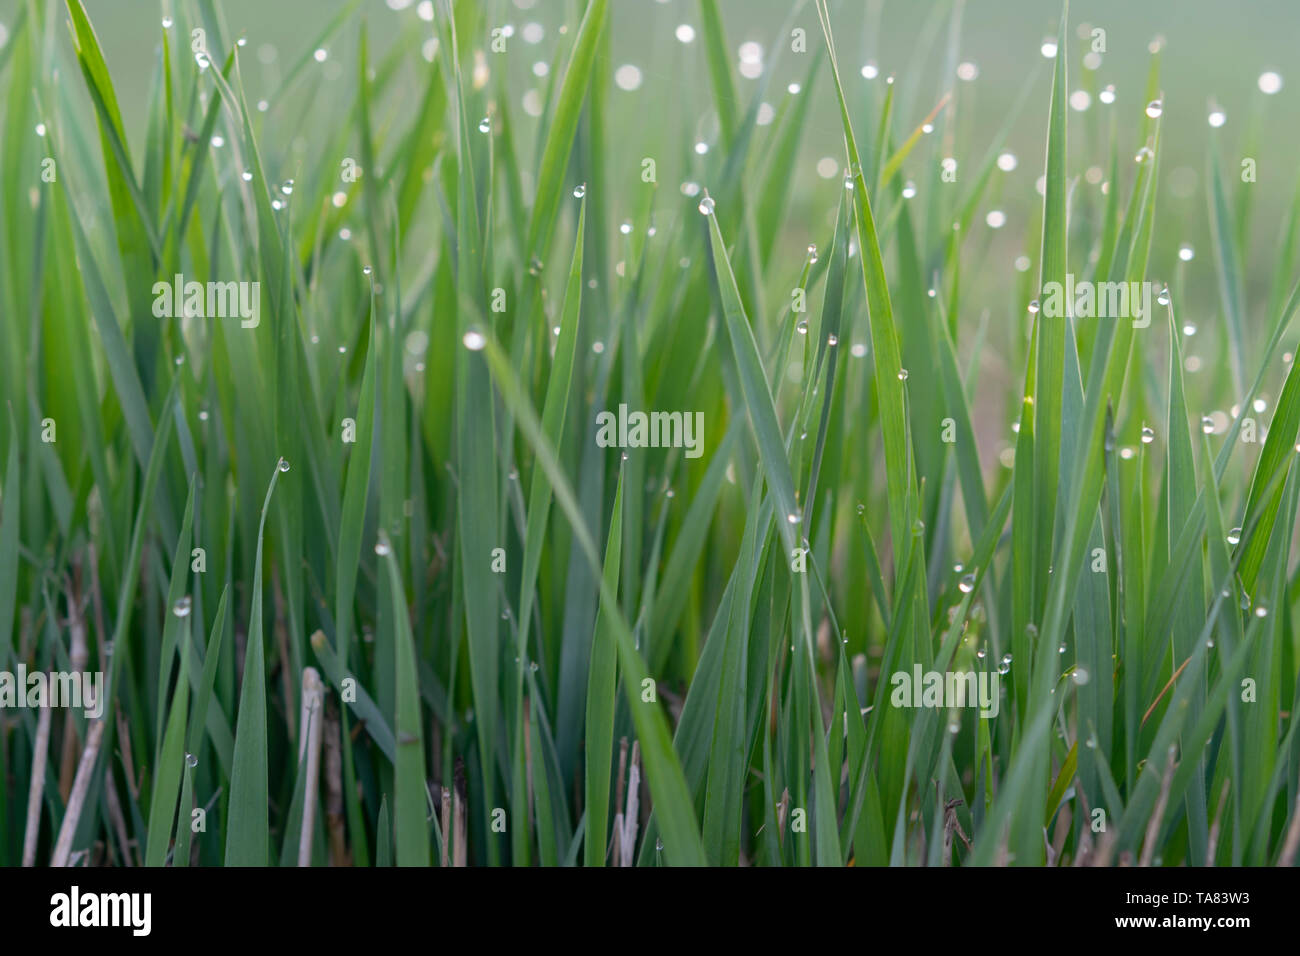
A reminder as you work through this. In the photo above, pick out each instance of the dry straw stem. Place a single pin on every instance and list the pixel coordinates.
(77, 798)
(39, 754)
(312, 722)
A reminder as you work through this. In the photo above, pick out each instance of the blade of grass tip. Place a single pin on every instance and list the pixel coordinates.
(602, 695)
(563, 126)
(672, 801)
(383, 836)
(203, 691)
(171, 761)
(889, 377)
(756, 393)
(410, 800)
(248, 829)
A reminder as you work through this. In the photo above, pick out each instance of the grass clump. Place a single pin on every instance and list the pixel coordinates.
(299, 451)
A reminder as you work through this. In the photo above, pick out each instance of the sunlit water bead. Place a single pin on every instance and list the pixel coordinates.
(1261, 610)
(967, 583)
(1207, 425)
(1155, 108)
(909, 189)
(1217, 117)
(287, 188)
(167, 23)
(1048, 47)
(191, 761)
(1143, 154)
(383, 548)
(183, 606)
(579, 190)
(706, 204)
(1033, 306)
(1148, 434)
(485, 125)
(1107, 96)
(1007, 161)
(794, 517)
(1186, 253)
(1189, 328)
(321, 55)
(1080, 676)
(1234, 537)
(812, 253)
(1270, 82)
(282, 465)
(246, 176)
(802, 327)
(474, 340)
(1163, 296)
(1004, 665)
(902, 375)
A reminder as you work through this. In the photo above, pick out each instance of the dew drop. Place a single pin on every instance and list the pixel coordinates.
(794, 517)
(1155, 108)
(287, 188)
(246, 176)
(1163, 297)
(1080, 676)
(1189, 328)
(383, 548)
(832, 340)
(366, 270)
(1062, 649)
(812, 253)
(1261, 611)
(1033, 306)
(902, 375)
(1148, 435)
(167, 23)
(706, 205)
(1207, 425)
(802, 327)
(1107, 95)
(1186, 253)
(183, 606)
(1234, 536)
(909, 190)
(191, 761)
(579, 191)
(918, 528)
(283, 465)
(485, 124)
(1004, 666)
(474, 340)
(966, 584)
